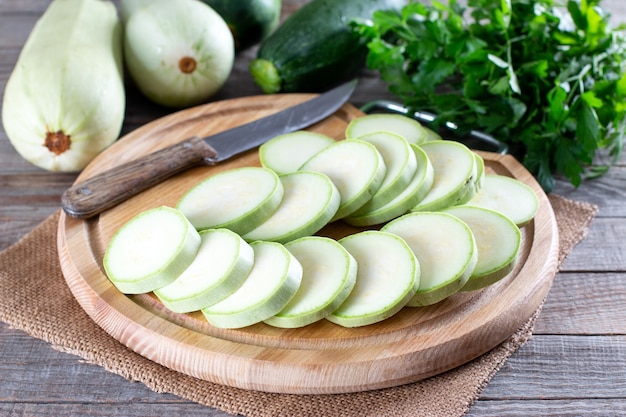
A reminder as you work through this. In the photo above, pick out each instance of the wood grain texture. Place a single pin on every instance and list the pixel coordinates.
(579, 304)
(322, 357)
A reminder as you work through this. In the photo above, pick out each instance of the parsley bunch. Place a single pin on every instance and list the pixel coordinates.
(549, 79)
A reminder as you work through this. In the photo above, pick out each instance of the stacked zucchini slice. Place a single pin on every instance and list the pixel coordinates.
(246, 245)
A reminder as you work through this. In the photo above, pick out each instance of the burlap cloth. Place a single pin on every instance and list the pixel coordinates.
(35, 298)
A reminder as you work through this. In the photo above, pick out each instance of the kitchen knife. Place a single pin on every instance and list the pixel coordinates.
(107, 189)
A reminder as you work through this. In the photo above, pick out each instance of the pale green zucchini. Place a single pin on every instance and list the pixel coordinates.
(179, 53)
(239, 199)
(508, 196)
(409, 197)
(328, 277)
(310, 200)
(150, 250)
(64, 101)
(498, 241)
(273, 281)
(286, 153)
(446, 249)
(400, 163)
(355, 167)
(388, 276)
(221, 265)
(410, 129)
(455, 171)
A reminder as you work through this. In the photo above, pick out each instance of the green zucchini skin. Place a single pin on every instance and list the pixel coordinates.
(315, 47)
(250, 21)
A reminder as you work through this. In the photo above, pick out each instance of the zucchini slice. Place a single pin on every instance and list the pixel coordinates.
(446, 250)
(400, 163)
(455, 173)
(286, 153)
(150, 250)
(355, 167)
(221, 265)
(239, 199)
(273, 281)
(498, 241)
(508, 196)
(310, 200)
(410, 129)
(387, 277)
(414, 192)
(328, 277)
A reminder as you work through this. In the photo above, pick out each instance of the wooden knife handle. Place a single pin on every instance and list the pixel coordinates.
(107, 189)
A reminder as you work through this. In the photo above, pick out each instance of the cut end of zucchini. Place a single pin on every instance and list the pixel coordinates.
(273, 281)
(387, 277)
(221, 265)
(328, 276)
(498, 241)
(266, 75)
(150, 250)
(446, 250)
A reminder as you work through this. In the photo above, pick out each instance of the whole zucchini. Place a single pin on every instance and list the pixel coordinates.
(315, 47)
(64, 101)
(250, 21)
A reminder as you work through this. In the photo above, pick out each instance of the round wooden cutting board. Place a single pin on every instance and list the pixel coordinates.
(414, 344)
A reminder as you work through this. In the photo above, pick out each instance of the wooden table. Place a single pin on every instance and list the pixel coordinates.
(575, 364)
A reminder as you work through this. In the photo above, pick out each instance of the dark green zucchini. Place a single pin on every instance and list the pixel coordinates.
(250, 21)
(315, 47)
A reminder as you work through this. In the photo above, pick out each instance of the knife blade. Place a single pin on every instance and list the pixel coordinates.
(103, 191)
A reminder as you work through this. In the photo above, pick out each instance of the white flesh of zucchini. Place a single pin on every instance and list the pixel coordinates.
(455, 170)
(508, 196)
(414, 192)
(239, 199)
(410, 129)
(221, 265)
(498, 241)
(310, 200)
(286, 153)
(478, 179)
(328, 277)
(272, 282)
(150, 250)
(400, 163)
(355, 167)
(387, 277)
(446, 250)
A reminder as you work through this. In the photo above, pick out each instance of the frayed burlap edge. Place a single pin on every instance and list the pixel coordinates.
(30, 272)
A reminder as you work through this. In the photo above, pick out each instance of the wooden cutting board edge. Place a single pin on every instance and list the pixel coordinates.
(293, 369)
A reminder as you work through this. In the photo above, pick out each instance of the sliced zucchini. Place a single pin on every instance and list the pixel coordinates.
(414, 192)
(508, 196)
(310, 200)
(387, 277)
(239, 199)
(455, 170)
(286, 153)
(150, 250)
(498, 241)
(400, 163)
(446, 250)
(221, 265)
(355, 167)
(272, 282)
(477, 181)
(328, 277)
(410, 129)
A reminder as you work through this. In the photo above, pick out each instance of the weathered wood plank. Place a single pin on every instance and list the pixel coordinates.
(549, 408)
(563, 367)
(577, 305)
(602, 250)
(130, 409)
